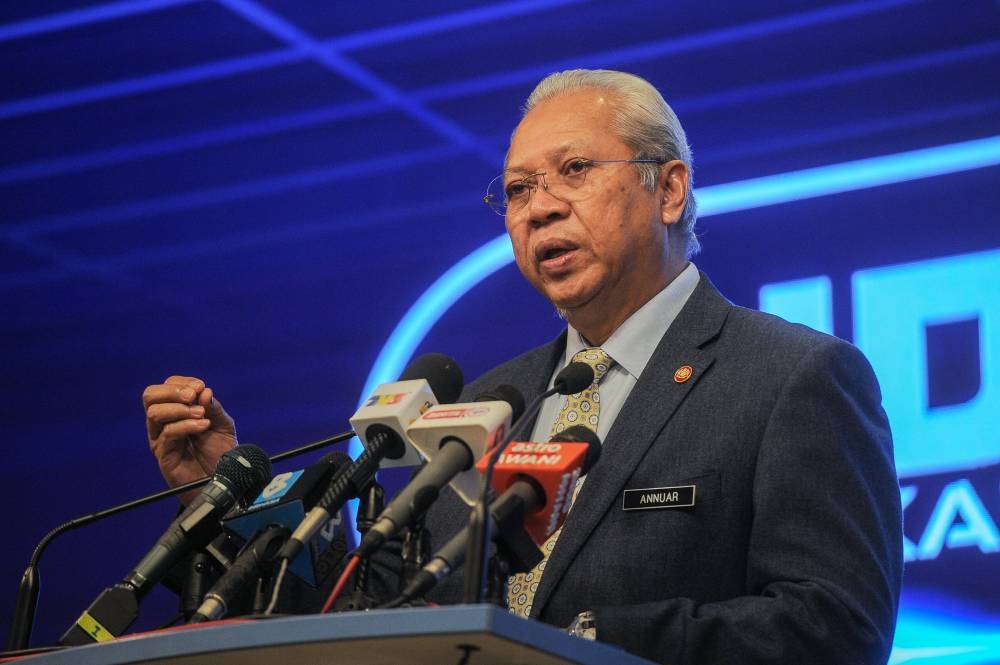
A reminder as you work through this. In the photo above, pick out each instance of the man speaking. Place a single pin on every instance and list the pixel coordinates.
(745, 507)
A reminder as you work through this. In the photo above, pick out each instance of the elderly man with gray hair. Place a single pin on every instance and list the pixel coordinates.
(745, 508)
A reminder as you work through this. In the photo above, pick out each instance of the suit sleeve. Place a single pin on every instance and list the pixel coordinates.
(825, 561)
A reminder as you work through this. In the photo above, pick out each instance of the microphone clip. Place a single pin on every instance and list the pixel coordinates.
(514, 545)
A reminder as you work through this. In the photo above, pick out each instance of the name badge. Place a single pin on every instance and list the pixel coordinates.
(652, 498)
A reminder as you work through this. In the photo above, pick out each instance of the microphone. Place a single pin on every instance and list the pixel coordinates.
(258, 553)
(549, 472)
(27, 591)
(430, 379)
(439, 370)
(241, 473)
(536, 483)
(573, 378)
(381, 423)
(285, 502)
(453, 438)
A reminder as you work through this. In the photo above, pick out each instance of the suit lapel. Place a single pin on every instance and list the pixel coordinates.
(652, 402)
(532, 376)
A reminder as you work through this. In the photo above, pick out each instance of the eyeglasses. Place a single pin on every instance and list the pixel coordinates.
(565, 184)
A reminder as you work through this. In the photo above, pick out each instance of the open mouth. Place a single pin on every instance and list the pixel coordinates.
(551, 251)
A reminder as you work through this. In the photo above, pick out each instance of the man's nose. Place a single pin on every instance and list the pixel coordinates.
(545, 207)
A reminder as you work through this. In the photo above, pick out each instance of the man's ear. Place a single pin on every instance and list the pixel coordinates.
(674, 181)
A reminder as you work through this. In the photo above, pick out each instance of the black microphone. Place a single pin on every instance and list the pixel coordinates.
(574, 378)
(240, 474)
(27, 592)
(571, 379)
(440, 371)
(259, 553)
(533, 493)
(453, 437)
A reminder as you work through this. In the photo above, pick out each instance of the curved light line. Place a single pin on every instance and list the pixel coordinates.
(848, 176)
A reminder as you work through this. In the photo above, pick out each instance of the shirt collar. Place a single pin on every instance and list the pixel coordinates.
(633, 342)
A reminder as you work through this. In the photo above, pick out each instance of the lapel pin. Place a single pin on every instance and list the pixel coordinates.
(683, 373)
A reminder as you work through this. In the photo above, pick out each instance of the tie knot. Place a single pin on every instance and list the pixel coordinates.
(598, 359)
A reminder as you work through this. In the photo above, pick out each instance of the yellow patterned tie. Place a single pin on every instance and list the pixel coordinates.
(583, 408)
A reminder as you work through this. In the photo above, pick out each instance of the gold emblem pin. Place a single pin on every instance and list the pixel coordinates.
(683, 373)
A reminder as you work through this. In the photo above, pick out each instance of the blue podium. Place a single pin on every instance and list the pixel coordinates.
(467, 634)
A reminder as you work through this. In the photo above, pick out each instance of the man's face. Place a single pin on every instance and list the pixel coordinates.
(597, 253)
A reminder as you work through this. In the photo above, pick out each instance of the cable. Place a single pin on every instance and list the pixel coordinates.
(277, 587)
(341, 583)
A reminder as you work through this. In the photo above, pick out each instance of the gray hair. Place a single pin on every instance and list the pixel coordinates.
(642, 120)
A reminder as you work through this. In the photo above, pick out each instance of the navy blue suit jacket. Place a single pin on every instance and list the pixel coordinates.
(792, 552)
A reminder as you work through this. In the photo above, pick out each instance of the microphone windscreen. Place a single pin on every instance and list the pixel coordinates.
(246, 470)
(574, 378)
(582, 434)
(505, 393)
(335, 459)
(441, 372)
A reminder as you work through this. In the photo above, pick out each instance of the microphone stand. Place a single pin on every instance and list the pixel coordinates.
(27, 591)
(477, 560)
(572, 378)
(370, 507)
(498, 571)
(198, 579)
(416, 546)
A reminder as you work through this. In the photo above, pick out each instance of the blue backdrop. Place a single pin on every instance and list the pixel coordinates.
(257, 192)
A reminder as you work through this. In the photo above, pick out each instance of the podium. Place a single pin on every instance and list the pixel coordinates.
(453, 635)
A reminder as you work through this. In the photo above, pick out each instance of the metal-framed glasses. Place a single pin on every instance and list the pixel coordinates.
(508, 194)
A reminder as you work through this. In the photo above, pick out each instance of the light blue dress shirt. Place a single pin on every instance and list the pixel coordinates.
(631, 345)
